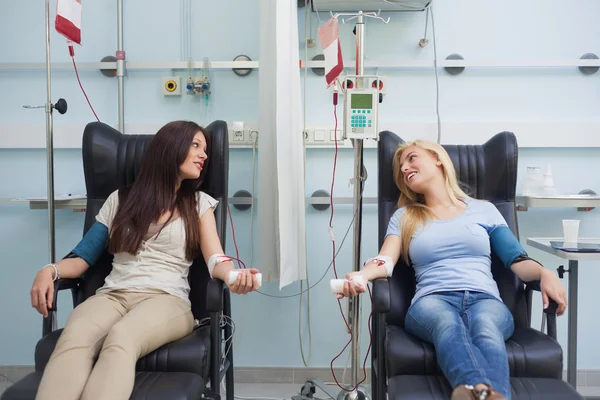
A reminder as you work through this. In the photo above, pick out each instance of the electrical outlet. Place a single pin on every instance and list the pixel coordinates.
(253, 137)
(238, 136)
(171, 85)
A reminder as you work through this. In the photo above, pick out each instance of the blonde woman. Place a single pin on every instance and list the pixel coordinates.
(448, 237)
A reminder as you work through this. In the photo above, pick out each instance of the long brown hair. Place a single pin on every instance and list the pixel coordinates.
(153, 192)
(417, 212)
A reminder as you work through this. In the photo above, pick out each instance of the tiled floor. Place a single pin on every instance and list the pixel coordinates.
(257, 391)
(274, 391)
(3, 386)
(590, 392)
(254, 391)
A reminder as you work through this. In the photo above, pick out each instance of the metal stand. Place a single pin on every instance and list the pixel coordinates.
(572, 332)
(573, 272)
(120, 67)
(359, 393)
(572, 336)
(61, 107)
(49, 143)
(354, 392)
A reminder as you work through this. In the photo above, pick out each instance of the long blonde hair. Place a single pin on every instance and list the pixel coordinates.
(417, 212)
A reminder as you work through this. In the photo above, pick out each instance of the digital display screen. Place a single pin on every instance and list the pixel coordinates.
(364, 101)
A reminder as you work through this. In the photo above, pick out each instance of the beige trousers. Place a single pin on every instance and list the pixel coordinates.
(104, 337)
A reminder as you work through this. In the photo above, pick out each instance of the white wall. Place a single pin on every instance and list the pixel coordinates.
(492, 99)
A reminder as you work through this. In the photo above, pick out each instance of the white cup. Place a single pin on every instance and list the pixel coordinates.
(570, 230)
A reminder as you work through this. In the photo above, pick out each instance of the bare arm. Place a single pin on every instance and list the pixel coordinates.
(551, 287)
(211, 244)
(391, 248)
(42, 290)
(527, 270)
(371, 271)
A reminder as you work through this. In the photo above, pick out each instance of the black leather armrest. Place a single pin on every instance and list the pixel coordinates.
(552, 305)
(214, 295)
(381, 295)
(550, 311)
(62, 284)
(48, 324)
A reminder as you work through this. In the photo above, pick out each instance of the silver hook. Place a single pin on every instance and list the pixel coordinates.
(377, 15)
(353, 16)
(337, 15)
(385, 21)
(374, 15)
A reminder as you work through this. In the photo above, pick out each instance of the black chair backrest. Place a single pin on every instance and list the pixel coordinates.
(111, 161)
(487, 172)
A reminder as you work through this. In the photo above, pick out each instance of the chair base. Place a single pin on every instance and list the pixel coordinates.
(308, 392)
(148, 386)
(420, 387)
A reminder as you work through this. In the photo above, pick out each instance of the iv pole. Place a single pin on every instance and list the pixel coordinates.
(359, 393)
(359, 178)
(49, 144)
(61, 107)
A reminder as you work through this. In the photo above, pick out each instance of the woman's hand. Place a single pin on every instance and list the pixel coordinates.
(246, 281)
(552, 288)
(42, 291)
(352, 288)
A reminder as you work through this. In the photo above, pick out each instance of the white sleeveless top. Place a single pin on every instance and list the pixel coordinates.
(160, 264)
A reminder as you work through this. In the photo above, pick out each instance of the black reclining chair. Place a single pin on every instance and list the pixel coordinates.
(180, 369)
(404, 367)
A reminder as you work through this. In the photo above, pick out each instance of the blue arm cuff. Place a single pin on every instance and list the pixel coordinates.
(93, 244)
(506, 246)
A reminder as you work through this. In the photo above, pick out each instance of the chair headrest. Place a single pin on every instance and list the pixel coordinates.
(487, 171)
(111, 160)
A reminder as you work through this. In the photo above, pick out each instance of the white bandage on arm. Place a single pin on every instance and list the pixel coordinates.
(214, 260)
(385, 261)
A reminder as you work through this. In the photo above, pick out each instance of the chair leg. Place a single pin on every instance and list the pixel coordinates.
(374, 355)
(229, 386)
(379, 386)
(215, 349)
(229, 380)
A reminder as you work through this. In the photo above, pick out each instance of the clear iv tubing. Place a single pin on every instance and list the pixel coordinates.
(237, 253)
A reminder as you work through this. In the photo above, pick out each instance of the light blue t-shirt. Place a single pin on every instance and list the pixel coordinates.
(453, 255)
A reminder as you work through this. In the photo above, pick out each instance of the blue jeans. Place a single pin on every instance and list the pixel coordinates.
(468, 331)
